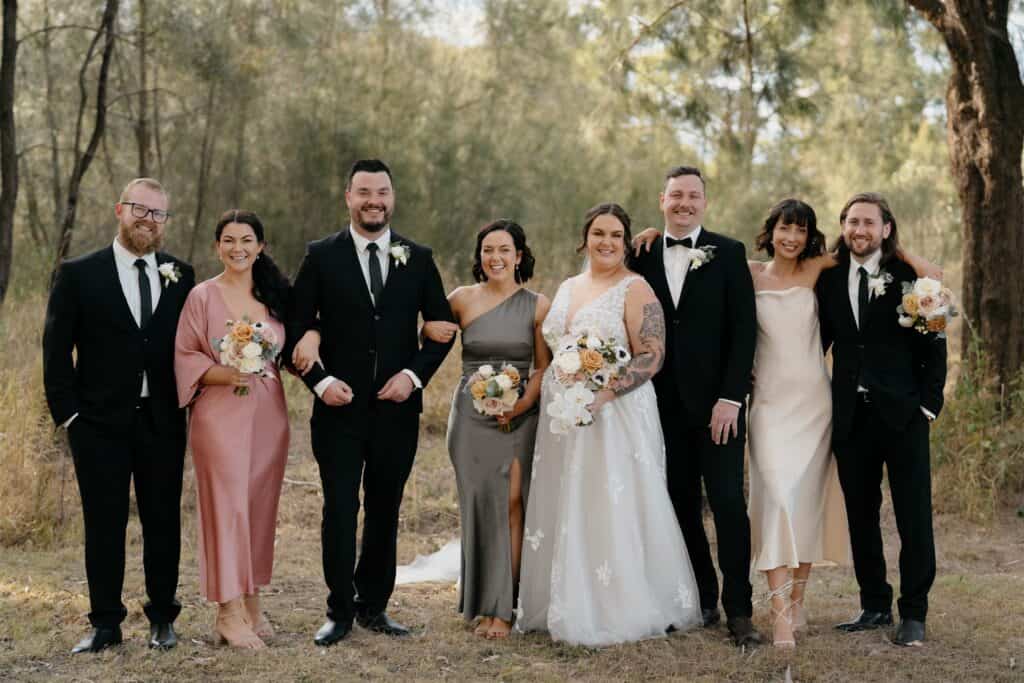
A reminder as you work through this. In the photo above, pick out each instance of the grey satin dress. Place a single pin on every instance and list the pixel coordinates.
(482, 456)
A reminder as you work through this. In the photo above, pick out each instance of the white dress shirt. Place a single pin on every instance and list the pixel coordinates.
(677, 262)
(383, 243)
(853, 280)
(128, 275)
(853, 285)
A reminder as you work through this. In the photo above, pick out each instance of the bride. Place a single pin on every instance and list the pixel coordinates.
(604, 560)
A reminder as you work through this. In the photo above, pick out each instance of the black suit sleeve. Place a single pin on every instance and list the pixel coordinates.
(930, 354)
(302, 314)
(433, 306)
(62, 314)
(739, 357)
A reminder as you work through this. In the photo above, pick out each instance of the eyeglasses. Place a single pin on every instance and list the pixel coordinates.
(141, 211)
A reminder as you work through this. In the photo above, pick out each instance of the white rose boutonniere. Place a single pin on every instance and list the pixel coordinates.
(169, 272)
(400, 253)
(877, 284)
(701, 255)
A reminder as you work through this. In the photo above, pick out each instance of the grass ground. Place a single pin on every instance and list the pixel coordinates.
(976, 625)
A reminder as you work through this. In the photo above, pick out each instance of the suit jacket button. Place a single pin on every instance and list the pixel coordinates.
(376, 316)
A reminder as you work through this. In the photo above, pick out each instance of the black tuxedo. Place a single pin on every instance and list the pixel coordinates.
(116, 434)
(709, 354)
(369, 440)
(902, 371)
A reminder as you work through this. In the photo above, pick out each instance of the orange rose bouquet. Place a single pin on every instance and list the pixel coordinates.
(248, 347)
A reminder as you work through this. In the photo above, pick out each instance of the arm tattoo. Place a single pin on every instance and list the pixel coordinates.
(650, 352)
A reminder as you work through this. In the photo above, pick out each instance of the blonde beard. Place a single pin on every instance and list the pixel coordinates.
(139, 244)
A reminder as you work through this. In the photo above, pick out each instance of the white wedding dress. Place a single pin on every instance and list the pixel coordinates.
(604, 560)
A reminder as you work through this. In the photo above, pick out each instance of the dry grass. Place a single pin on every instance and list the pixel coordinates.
(975, 626)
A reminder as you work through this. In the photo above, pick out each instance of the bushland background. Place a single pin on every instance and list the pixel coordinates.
(532, 110)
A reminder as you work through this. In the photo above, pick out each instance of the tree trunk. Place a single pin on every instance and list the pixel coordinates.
(8, 149)
(984, 105)
(142, 124)
(56, 184)
(84, 159)
(205, 162)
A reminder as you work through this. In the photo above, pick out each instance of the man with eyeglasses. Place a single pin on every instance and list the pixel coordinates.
(108, 371)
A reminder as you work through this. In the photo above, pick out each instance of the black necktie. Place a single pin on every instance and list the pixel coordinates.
(145, 297)
(376, 279)
(862, 298)
(671, 242)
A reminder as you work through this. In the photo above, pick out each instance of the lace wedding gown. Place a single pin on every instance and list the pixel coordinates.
(604, 560)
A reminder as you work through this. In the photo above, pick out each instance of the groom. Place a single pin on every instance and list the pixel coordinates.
(704, 285)
(886, 388)
(364, 289)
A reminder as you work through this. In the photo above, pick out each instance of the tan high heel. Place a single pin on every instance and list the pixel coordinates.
(232, 627)
(262, 626)
(782, 618)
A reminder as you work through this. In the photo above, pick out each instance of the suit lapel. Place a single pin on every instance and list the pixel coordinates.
(842, 284)
(113, 284)
(352, 269)
(703, 240)
(396, 271)
(164, 286)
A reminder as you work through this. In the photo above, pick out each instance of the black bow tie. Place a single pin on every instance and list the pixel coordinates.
(670, 242)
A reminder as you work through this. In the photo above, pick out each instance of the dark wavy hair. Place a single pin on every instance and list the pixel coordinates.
(792, 212)
(269, 285)
(524, 271)
(890, 245)
(610, 209)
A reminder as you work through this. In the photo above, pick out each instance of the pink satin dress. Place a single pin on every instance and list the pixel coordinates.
(239, 449)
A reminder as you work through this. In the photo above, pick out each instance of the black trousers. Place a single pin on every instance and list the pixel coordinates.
(381, 461)
(107, 459)
(691, 457)
(860, 457)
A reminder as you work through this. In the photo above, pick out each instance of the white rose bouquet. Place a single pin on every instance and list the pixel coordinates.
(495, 393)
(927, 307)
(247, 347)
(583, 364)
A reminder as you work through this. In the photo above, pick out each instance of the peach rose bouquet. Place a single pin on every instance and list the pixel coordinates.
(495, 393)
(583, 364)
(927, 307)
(248, 347)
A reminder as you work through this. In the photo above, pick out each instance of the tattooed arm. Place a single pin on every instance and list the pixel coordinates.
(645, 324)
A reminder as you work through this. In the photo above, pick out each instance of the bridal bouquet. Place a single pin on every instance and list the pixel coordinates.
(927, 307)
(583, 364)
(247, 347)
(495, 393)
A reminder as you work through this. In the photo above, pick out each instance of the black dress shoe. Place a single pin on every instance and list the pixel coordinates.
(867, 620)
(382, 623)
(332, 632)
(743, 632)
(910, 632)
(162, 636)
(711, 617)
(101, 638)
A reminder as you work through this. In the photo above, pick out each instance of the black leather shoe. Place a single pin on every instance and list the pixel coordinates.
(910, 632)
(382, 623)
(332, 632)
(867, 620)
(162, 636)
(100, 639)
(711, 617)
(743, 632)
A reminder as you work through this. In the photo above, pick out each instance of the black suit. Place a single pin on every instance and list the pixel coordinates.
(902, 371)
(709, 354)
(117, 435)
(369, 440)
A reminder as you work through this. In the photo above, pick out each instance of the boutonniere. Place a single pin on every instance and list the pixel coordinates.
(701, 255)
(877, 284)
(169, 272)
(400, 253)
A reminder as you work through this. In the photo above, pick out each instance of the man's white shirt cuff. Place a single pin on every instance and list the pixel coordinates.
(734, 403)
(72, 419)
(322, 385)
(927, 413)
(415, 380)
